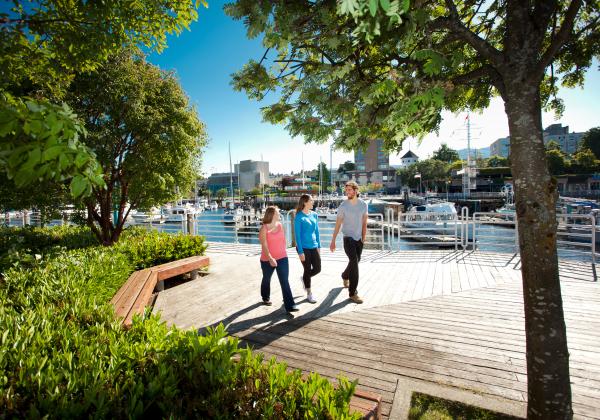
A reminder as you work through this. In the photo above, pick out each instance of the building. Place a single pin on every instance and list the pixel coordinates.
(221, 180)
(568, 142)
(252, 174)
(500, 147)
(408, 159)
(372, 159)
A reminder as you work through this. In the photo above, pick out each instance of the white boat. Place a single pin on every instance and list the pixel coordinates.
(434, 219)
(214, 206)
(152, 216)
(231, 217)
(178, 214)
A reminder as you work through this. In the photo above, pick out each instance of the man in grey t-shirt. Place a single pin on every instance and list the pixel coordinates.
(352, 218)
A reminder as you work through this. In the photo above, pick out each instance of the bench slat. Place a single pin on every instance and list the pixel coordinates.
(135, 287)
(186, 265)
(141, 302)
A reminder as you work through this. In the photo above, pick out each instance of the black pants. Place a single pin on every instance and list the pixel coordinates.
(311, 264)
(353, 250)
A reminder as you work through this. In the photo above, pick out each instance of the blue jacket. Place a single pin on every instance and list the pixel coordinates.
(306, 230)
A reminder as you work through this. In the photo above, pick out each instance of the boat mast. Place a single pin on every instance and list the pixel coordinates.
(230, 174)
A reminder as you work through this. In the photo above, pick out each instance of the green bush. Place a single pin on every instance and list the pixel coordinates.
(23, 244)
(146, 249)
(64, 355)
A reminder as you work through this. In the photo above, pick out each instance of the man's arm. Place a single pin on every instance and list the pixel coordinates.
(338, 224)
(364, 227)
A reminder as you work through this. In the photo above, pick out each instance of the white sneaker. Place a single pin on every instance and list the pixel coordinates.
(310, 298)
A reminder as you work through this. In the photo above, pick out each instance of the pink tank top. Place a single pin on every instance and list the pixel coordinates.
(276, 244)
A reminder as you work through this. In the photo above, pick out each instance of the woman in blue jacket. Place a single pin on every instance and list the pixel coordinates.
(308, 243)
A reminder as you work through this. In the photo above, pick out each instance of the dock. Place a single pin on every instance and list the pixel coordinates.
(443, 322)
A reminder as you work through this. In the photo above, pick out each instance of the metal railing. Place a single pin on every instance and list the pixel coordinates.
(489, 231)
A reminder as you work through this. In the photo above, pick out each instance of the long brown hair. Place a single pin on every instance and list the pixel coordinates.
(269, 213)
(304, 198)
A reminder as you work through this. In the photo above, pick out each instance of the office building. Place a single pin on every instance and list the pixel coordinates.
(252, 174)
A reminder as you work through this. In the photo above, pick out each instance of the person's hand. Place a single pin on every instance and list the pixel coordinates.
(319, 251)
(273, 262)
(332, 246)
(301, 257)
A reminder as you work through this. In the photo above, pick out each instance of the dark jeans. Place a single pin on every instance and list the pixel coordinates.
(311, 264)
(353, 250)
(283, 271)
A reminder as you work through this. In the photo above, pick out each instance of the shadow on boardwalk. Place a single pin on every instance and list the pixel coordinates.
(276, 318)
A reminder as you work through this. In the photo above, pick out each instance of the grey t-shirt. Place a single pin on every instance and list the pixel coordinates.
(352, 218)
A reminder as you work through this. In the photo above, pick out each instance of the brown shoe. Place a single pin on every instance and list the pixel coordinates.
(356, 299)
(346, 283)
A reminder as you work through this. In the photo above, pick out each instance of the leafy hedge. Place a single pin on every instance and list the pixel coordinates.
(63, 353)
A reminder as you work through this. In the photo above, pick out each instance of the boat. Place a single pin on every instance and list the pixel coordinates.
(439, 218)
(231, 217)
(178, 214)
(152, 216)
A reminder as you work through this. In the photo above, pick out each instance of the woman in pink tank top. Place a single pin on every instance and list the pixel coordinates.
(274, 258)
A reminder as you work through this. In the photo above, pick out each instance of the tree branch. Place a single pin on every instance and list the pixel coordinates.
(561, 37)
(452, 23)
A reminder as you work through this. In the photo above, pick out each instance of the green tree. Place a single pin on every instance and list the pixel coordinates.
(556, 160)
(591, 140)
(584, 161)
(222, 193)
(496, 162)
(552, 145)
(446, 154)
(433, 173)
(346, 167)
(43, 45)
(325, 175)
(145, 135)
(361, 69)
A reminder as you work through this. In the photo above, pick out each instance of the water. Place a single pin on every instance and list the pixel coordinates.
(492, 238)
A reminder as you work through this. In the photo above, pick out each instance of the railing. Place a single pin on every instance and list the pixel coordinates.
(426, 229)
(576, 234)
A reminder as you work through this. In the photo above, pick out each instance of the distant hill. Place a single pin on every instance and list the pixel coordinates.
(483, 152)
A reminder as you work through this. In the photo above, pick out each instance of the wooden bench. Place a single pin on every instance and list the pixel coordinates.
(133, 297)
(368, 404)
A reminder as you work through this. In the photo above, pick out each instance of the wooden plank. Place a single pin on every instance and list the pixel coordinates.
(175, 268)
(141, 302)
(132, 293)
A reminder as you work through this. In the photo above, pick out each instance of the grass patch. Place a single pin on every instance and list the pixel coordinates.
(427, 407)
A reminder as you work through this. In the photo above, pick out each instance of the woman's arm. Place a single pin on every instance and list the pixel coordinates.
(317, 230)
(262, 237)
(298, 235)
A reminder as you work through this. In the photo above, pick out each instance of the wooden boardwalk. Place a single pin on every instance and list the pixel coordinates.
(440, 321)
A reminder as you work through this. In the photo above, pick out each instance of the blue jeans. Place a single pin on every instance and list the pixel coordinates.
(283, 271)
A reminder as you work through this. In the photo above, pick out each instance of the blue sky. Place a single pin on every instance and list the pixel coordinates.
(216, 46)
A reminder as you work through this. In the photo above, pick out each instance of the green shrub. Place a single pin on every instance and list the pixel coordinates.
(23, 244)
(64, 355)
(146, 249)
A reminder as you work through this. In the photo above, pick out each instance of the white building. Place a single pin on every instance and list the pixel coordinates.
(252, 174)
(568, 142)
(500, 147)
(408, 159)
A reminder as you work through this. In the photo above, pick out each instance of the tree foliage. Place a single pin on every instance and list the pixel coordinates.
(445, 154)
(43, 45)
(496, 161)
(144, 133)
(591, 140)
(434, 174)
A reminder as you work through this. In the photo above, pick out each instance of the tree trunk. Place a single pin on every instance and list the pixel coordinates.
(548, 381)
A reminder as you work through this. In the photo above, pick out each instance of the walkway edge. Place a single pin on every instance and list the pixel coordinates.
(406, 386)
